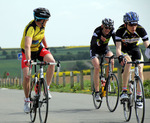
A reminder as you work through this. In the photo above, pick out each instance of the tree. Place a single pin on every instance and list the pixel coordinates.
(13, 52)
(4, 52)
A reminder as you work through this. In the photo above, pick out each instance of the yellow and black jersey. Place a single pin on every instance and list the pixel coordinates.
(36, 33)
(130, 41)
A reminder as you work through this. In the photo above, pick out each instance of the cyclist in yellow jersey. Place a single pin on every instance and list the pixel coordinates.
(36, 33)
(32, 48)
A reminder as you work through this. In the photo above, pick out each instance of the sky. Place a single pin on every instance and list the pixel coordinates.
(72, 22)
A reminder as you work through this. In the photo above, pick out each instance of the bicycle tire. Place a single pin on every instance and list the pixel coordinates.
(33, 108)
(43, 101)
(140, 112)
(96, 104)
(127, 109)
(112, 92)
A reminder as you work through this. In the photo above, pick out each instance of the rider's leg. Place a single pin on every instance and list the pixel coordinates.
(26, 82)
(142, 78)
(95, 62)
(50, 69)
(126, 73)
(26, 87)
(109, 53)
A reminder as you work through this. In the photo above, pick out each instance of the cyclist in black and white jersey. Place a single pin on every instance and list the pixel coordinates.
(127, 38)
(99, 46)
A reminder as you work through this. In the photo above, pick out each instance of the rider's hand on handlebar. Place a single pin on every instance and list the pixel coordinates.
(28, 62)
(122, 60)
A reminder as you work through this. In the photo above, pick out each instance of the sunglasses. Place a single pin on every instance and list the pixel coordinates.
(106, 27)
(132, 24)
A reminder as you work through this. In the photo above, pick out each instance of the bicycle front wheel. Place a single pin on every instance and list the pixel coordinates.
(97, 104)
(43, 101)
(112, 92)
(139, 110)
(33, 105)
(127, 109)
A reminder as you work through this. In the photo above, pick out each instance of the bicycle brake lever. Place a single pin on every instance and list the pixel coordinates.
(58, 67)
(123, 66)
(58, 64)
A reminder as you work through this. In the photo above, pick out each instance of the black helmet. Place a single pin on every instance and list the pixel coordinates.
(41, 14)
(131, 17)
(107, 22)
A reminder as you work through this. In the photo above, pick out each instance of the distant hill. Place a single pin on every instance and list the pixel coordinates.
(71, 57)
(60, 53)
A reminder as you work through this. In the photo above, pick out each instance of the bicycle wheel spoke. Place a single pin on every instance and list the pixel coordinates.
(43, 102)
(140, 110)
(112, 93)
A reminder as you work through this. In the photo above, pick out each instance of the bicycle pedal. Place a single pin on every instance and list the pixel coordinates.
(124, 100)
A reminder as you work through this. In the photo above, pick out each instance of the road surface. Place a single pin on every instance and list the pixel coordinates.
(64, 108)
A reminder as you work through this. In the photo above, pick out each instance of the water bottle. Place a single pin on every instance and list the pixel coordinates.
(103, 81)
(103, 92)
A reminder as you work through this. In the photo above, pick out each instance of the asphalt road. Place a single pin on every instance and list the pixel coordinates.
(64, 108)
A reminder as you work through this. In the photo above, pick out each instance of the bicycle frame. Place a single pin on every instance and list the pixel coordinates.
(103, 90)
(136, 76)
(136, 72)
(133, 97)
(101, 65)
(39, 100)
(110, 68)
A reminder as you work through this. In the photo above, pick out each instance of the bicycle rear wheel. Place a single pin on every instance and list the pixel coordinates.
(140, 112)
(33, 107)
(112, 92)
(127, 109)
(43, 101)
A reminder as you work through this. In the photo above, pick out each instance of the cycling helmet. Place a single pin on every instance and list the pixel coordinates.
(41, 14)
(131, 17)
(107, 22)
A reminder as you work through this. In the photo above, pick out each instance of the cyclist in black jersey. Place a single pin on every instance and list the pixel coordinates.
(127, 38)
(99, 46)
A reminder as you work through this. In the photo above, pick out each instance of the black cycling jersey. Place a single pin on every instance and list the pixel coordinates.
(97, 37)
(128, 40)
(103, 48)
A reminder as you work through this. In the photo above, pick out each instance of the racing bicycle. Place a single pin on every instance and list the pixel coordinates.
(111, 88)
(132, 100)
(38, 93)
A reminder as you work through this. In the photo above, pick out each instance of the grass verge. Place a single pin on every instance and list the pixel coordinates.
(77, 88)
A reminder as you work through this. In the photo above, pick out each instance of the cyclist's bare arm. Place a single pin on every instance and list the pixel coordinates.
(28, 42)
(146, 43)
(118, 51)
(44, 42)
(118, 48)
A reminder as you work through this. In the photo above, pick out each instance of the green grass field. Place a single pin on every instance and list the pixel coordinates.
(77, 88)
(10, 63)
(11, 66)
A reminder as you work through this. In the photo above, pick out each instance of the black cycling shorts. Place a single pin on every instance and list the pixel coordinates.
(95, 53)
(135, 54)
